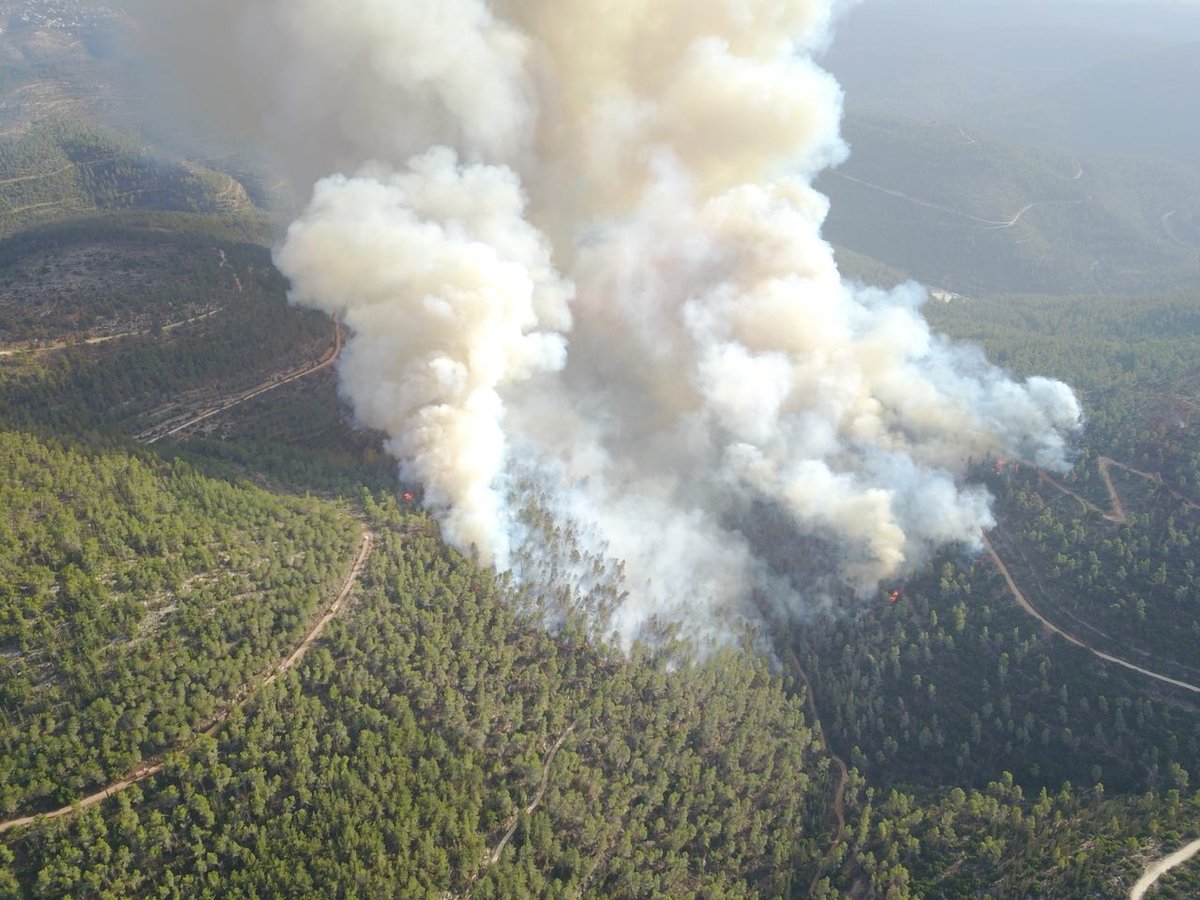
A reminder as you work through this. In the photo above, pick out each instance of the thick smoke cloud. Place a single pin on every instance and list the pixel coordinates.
(578, 240)
(443, 285)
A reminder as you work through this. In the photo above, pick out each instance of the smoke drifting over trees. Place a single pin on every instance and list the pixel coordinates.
(578, 240)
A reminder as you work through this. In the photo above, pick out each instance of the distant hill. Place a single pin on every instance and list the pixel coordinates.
(1143, 103)
(66, 78)
(1116, 80)
(897, 58)
(58, 61)
(965, 212)
(60, 170)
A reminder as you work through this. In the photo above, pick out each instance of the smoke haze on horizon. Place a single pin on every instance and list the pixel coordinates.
(578, 242)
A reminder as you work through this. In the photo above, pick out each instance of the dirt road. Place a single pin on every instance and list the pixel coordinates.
(1157, 869)
(928, 204)
(160, 431)
(151, 769)
(91, 800)
(1049, 626)
(1015, 219)
(336, 607)
(104, 339)
(1170, 231)
(494, 856)
(1116, 512)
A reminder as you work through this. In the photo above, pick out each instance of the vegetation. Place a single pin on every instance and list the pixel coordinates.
(967, 213)
(250, 337)
(137, 598)
(98, 277)
(63, 169)
(1001, 842)
(452, 732)
(402, 751)
(955, 685)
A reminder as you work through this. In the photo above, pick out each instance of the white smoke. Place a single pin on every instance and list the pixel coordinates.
(443, 285)
(579, 238)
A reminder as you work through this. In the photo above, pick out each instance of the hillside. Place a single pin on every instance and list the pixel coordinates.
(238, 659)
(429, 725)
(89, 355)
(508, 714)
(60, 171)
(1146, 93)
(970, 214)
(1112, 81)
(139, 598)
(58, 63)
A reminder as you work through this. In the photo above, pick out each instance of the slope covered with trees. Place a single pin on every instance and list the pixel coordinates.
(60, 170)
(400, 753)
(137, 599)
(960, 210)
(177, 345)
(452, 733)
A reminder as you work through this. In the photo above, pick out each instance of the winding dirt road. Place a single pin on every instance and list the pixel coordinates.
(164, 430)
(1157, 869)
(928, 204)
(1016, 218)
(494, 856)
(1049, 626)
(1166, 224)
(1115, 514)
(104, 339)
(364, 551)
(151, 769)
(1106, 463)
(66, 168)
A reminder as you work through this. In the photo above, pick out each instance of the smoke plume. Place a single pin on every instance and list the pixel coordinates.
(578, 241)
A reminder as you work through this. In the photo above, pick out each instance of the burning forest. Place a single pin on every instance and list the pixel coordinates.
(576, 246)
